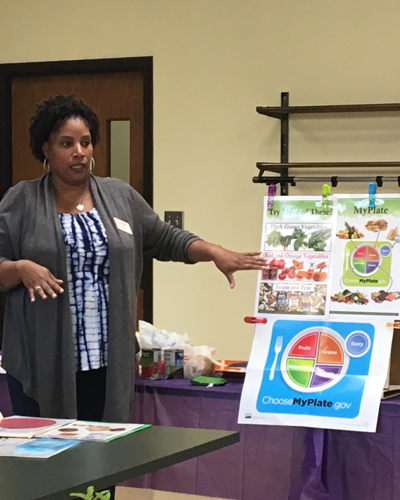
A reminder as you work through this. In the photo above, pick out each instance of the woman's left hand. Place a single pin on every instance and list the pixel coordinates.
(228, 262)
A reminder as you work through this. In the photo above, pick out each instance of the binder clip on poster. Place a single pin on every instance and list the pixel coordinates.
(372, 193)
(254, 320)
(271, 195)
(326, 191)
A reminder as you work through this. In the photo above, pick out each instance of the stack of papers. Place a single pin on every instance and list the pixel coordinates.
(29, 427)
(54, 435)
(93, 431)
(37, 448)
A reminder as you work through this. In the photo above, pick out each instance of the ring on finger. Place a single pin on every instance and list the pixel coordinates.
(38, 287)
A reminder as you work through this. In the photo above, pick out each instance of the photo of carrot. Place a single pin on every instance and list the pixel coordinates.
(301, 274)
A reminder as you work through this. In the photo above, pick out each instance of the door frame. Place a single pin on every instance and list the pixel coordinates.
(144, 64)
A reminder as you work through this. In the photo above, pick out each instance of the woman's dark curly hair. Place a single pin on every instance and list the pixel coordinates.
(52, 113)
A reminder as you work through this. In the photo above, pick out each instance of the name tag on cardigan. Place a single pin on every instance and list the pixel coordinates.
(124, 226)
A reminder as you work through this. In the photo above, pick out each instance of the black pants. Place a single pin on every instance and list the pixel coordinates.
(90, 395)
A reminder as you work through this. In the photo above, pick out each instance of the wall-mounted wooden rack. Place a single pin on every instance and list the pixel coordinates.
(283, 112)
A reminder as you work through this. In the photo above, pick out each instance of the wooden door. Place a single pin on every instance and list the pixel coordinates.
(113, 96)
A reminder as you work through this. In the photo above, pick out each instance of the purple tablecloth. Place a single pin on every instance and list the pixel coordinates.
(269, 463)
(266, 463)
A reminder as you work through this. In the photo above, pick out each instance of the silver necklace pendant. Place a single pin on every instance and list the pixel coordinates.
(80, 207)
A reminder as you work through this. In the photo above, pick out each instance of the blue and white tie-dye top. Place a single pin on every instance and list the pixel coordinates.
(88, 268)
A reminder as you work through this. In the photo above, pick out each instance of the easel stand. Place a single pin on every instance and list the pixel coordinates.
(273, 174)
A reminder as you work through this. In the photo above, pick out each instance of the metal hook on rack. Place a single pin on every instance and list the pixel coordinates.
(334, 181)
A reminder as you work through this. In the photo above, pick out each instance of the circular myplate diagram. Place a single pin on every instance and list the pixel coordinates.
(316, 359)
(365, 259)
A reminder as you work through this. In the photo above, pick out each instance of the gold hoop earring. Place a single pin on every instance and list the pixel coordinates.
(46, 165)
(92, 164)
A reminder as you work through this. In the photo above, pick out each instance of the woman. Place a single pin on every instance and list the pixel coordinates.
(71, 258)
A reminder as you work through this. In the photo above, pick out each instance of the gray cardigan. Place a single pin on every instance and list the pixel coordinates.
(37, 337)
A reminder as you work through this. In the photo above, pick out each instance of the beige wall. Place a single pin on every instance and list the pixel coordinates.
(214, 62)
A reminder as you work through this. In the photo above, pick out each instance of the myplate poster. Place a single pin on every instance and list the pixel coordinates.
(328, 294)
(317, 373)
(367, 251)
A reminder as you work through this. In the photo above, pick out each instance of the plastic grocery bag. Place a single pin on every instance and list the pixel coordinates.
(198, 360)
(199, 365)
(150, 337)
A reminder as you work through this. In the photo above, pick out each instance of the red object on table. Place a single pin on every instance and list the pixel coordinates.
(26, 423)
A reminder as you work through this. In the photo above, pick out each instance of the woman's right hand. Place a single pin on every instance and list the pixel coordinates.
(38, 279)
